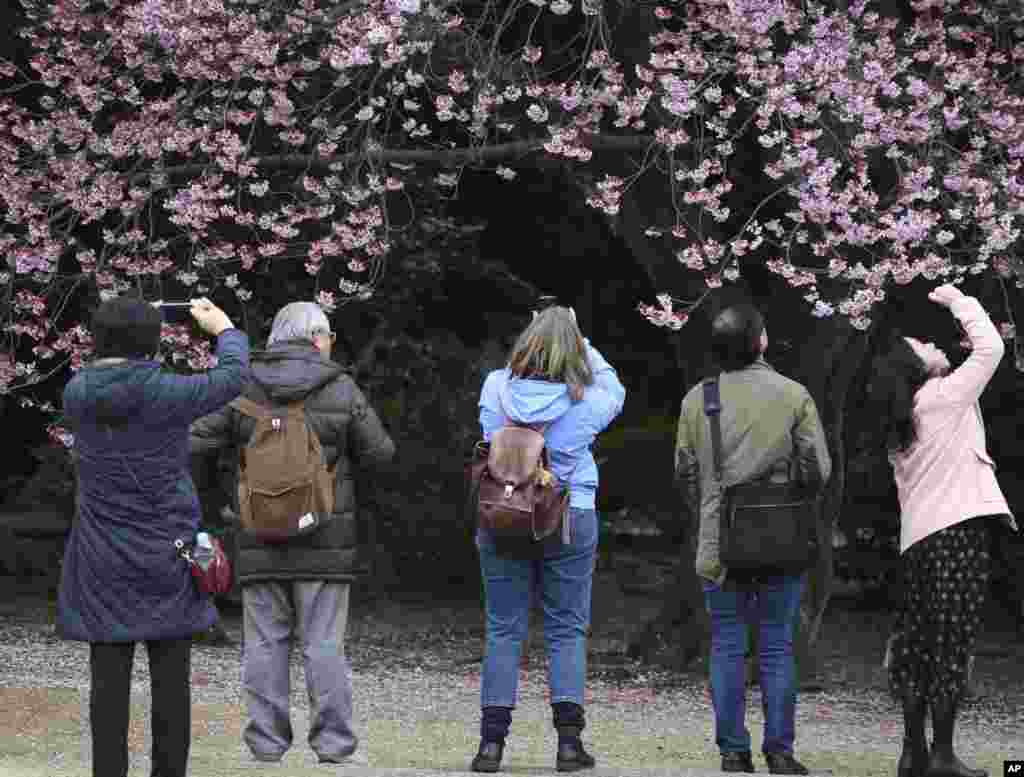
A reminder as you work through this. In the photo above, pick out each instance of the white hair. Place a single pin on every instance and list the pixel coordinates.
(298, 321)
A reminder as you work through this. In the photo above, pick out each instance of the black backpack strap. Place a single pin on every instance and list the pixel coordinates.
(713, 410)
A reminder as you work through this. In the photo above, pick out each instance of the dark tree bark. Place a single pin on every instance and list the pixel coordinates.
(845, 357)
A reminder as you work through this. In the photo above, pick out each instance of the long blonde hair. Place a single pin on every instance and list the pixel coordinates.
(552, 348)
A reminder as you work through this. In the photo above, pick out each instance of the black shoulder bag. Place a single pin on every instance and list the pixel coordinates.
(767, 529)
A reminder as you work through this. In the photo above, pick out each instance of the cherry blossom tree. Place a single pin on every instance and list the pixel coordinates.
(184, 146)
(200, 147)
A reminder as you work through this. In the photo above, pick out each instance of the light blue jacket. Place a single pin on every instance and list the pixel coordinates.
(573, 425)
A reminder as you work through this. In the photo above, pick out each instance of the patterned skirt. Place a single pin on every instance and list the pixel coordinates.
(945, 593)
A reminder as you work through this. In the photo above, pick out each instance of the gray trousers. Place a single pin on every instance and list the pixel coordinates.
(316, 613)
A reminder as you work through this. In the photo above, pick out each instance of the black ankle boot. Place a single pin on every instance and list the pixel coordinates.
(572, 756)
(948, 765)
(738, 762)
(488, 757)
(494, 726)
(913, 760)
(943, 761)
(940, 765)
(569, 722)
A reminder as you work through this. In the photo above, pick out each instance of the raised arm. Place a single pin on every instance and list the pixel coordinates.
(490, 419)
(967, 382)
(611, 393)
(202, 394)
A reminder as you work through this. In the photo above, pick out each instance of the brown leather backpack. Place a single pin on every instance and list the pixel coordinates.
(514, 493)
(285, 488)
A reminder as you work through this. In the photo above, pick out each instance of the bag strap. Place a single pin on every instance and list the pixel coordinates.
(542, 430)
(248, 407)
(713, 410)
(254, 409)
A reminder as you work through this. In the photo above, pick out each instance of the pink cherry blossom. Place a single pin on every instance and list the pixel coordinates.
(183, 144)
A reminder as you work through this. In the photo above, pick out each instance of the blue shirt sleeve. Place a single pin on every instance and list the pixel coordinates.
(606, 395)
(202, 394)
(491, 417)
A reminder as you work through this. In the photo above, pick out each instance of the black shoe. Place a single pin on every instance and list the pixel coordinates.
(784, 763)
(939, 766)
(738, 762)
(572, 757)
(488, 758)
(913, 760)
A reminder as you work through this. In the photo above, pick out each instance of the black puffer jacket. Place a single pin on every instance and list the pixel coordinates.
(351, 435)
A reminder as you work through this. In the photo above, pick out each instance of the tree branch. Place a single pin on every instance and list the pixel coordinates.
(450, 157)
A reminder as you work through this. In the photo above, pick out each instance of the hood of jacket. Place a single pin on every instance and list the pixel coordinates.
(111, 392)
(291, 371)
(532, 401)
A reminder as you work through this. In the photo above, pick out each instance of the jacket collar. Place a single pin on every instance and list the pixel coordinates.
(757, 366)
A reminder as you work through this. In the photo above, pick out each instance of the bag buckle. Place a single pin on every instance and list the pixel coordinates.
(179, 545)
(509, 488)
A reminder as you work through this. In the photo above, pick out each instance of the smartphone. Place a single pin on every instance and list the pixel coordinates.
(176, 312)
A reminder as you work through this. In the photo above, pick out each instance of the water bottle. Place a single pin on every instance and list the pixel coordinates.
(203, 552)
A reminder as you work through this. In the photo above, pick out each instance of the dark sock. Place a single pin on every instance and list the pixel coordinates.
(494, 723)
(569, 721)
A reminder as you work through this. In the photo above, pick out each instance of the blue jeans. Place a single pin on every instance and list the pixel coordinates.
(563, 581)
(774, 605)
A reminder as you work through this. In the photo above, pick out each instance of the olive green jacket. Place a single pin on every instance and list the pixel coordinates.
(770, 427)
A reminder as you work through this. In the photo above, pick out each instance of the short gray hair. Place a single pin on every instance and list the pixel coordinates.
(298, 321)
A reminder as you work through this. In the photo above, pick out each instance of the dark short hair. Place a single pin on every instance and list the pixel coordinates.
(736, 336)
(126, 327)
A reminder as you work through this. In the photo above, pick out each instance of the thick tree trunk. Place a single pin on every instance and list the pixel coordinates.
(844, 363)
(682, 614)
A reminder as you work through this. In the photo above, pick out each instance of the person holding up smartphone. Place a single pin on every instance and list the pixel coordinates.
(122, 581)
(557, 380)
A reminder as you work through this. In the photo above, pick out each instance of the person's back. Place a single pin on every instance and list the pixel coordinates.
(130, 419)
(121, 579)
(770, 429)
(930, 421)
(302, 586)
(557, 381)
(761, 417)
(351, 437)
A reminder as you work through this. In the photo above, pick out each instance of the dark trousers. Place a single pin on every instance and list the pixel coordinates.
(110, 703)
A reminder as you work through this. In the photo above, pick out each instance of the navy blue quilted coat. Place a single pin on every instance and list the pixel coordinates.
(122, 580)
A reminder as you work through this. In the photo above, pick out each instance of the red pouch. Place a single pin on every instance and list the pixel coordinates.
(213, 576)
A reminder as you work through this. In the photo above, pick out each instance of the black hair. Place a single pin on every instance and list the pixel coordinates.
(126, 327)
(736, 336)
(896, 375)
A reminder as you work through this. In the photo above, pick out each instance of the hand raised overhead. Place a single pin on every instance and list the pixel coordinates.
(945, 295)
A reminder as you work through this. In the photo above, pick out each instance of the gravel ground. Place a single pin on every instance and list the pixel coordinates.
(416, 679)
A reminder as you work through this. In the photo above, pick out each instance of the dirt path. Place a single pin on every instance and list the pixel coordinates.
(416, 677)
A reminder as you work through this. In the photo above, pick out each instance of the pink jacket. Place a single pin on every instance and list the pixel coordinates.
(947, 476)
